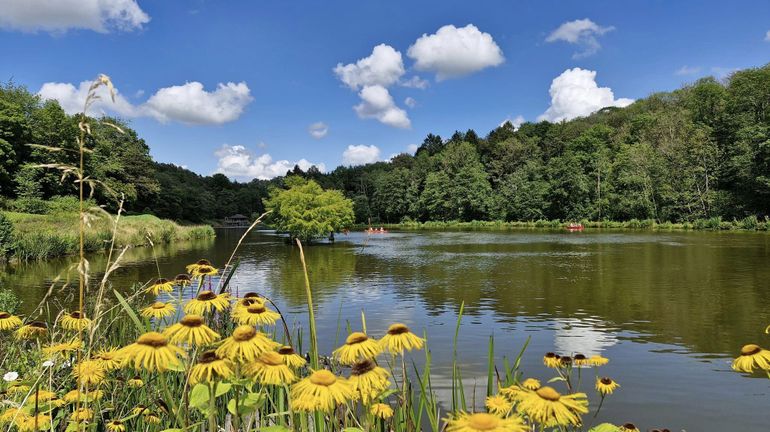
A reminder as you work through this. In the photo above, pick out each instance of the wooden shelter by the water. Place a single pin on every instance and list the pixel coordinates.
(237, 220)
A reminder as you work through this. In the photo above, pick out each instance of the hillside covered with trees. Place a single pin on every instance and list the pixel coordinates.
(701, 151)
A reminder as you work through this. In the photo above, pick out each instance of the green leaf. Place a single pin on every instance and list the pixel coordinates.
(199, 396)
(604, 427)
(248, 403)
(274, 428)
(554, 379)
(352, 429)
(222, 388)
(130, 311)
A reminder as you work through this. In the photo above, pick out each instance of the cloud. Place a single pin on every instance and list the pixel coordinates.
(410, 102)
(360, 155)
(574, 93)
(414, 82)
(453, 52)
(188, 103)
(238, 163)
(687, 70)
(383, 67)
(58, 16)
(582, 33)
(318, 130)
(723, 72)
(767, 36)
(377, 103)
(412, 148)
(516, 121)
(72, 98)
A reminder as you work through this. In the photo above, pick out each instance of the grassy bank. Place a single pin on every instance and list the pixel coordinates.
(751, 223)
(50, 235)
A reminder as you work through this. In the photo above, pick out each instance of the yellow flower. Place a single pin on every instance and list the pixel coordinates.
(515, 392)
(207, 301)
(271, 369)
(381, 410)
(160, 285)
(368, 380)
(531, 384)
(151, 418)
(255, 314)
(246, 302)
(89, 372)
(74, 321)
(152, 352)
(483, 422)
(15, 415)
(357, 347)
(115, 426)
(135, 382)
(82, 414)
(41, 396)
(597, 360)
(565, 361)
(204, 270)
(158, 310)
(581, 360)
(191, 267)
(210, 368)
(606, 385)
(52, 350)
(35, 423)
(139, 410)
(109, 358)
(321, 391)
(15, 389)
(291, 358)
(74, 395)
(551, 360)
(194, 269)
(32, 330)
(192, 331)
(182, 280)
(245, 345)
(498, 405)
(752, 357)
(549, 408)
(399, 338)
(8, 321)
(629, 427)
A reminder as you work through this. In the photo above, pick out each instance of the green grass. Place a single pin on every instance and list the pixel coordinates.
(751, 223)
(50, 235)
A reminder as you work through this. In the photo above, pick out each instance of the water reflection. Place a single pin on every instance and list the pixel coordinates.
(669, 309)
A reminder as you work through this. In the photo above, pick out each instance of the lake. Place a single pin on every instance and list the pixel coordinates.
(669, 309)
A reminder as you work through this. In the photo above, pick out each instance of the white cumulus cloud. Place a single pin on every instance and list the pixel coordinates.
(453, 52)
(72, 98)
(383, 67)
(516, 121)
(412, 148)
(360, 154)
(189, 103)
(687, 70)
(582, 32)
(318, 130)
(575, 93)
(61, 15)
(414, 82)
(238, 163)
(410, 102)
(377, 103)
(767, 36)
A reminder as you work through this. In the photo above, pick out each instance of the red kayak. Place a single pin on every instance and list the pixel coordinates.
(575, 227)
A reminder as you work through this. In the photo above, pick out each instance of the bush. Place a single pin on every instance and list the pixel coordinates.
(8, 301)
(6, 237)
(750, 223)
(67, 204)
(30, 205)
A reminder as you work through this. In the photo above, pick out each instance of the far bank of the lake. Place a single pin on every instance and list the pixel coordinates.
(44, 236)
(751, 223)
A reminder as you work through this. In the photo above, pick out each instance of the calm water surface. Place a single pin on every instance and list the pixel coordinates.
(669, 309)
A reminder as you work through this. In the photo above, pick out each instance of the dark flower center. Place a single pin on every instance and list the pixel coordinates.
(244, 333)
(566, 360)
(206, 296)
(256, 308)
(580, 357)
(4, 315)
(203, 262)
(38, 324)
(551, 355)
(250, 295)
(750, 349)
(286, 350)
(191, 321)
(182, 277)
(606, 381)
(397, 329)
(629, 426)
(161, 281)
(76, 315)
(208, 357)
(153, 339)
(362, 367)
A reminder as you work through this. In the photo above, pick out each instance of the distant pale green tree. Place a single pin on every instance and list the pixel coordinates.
(306, 211)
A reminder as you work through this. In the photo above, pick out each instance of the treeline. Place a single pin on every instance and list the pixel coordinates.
(699, 152)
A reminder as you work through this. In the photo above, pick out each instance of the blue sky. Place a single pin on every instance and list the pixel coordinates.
(217, 86)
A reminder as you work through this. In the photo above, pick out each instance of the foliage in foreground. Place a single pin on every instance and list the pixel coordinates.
(203, 359)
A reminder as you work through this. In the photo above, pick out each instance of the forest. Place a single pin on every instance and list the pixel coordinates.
(702, 151)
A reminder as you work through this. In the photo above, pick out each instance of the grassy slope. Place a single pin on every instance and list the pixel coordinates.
(46, 236)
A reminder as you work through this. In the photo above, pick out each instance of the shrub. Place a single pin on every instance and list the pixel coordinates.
(749, 223)
(9, 302)
(6, 236)
(30, 205)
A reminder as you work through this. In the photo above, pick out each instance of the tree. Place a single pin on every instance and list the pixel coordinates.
(306, 211)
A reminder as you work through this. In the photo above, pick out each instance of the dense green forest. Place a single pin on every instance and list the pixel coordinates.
(698, 152)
